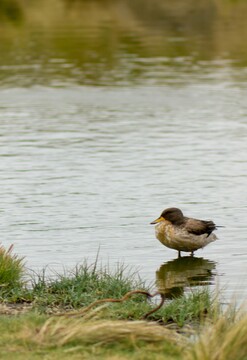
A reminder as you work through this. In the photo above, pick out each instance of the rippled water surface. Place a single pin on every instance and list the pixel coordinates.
(87, 162)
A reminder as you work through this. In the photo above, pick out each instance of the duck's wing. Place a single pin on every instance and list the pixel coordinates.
(199, 227)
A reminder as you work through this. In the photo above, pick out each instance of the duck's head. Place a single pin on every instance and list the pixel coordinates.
(174, 215)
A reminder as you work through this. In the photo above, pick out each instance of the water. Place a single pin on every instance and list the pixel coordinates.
(91, 153)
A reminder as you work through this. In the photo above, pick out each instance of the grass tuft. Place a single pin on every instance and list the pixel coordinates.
(11, 270)
(191, 308)
(225, 338)
(83, 285)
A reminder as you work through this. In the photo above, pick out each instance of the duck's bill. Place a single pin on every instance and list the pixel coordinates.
(157, 220)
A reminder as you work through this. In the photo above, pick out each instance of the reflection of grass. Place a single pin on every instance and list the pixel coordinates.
(141, 20)
(10, 10)
(105, 44)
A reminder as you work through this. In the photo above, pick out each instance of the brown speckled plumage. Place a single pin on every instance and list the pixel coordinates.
(182, 233)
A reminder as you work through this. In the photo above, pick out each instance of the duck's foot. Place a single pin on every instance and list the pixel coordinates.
(192, 253)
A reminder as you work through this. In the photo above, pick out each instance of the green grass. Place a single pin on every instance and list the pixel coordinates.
(60, 322)
(83, 285)
(189, 308)
(11, 270)
(76, 289)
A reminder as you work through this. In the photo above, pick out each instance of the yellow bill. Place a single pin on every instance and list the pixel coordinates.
(157, 220)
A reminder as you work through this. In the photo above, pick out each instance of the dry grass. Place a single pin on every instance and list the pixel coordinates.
(33, 336)
(225, 339)
(61, 332)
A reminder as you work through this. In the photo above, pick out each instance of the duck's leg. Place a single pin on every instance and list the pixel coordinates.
(179, 254)
(192, 253)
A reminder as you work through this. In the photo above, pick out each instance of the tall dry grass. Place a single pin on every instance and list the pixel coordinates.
(225, 339)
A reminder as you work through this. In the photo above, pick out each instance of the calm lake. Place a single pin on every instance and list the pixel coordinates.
(109, 115)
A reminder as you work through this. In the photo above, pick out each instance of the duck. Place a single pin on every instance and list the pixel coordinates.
(181, 233)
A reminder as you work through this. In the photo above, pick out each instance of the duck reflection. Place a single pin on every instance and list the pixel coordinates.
(173, 276)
